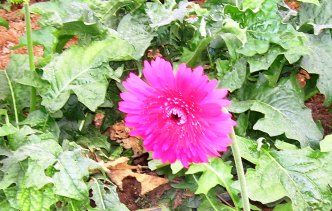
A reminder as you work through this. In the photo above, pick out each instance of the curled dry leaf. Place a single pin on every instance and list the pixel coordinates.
(119, 131)
(302, 76)
(134, 144)
(119, 170)
(98, 120)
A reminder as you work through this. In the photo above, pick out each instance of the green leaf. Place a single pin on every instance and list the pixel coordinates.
(11, 194)
(266, 26)
(164, 14)
(264, 61)
(326, 144)
(234, 79)
(232, 27)
(316, 2)
(4, 88)
(4, 23)
(212, 203)
(303, 175)
(79, 70)
(94, 140)
(135, 30)
(283, 207)
(30, 199)
(41, 120)
(190, 57)
(317, 16)
(105, 196)
(47, 37)
(254, 5)
(106, 11)
(7, 128)
(57, 13)
(17, 69)
(72, 169)
(254, 46)
(283, 109)
(216, 172)
(318, 62)
(41, 154)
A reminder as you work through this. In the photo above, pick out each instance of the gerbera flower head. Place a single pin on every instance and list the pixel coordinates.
(178, 115)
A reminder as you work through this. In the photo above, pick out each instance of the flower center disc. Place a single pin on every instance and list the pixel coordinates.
(177, 115)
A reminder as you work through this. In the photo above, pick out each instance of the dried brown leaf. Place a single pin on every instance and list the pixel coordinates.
(134, 144)
(119, 131)
(119, 170)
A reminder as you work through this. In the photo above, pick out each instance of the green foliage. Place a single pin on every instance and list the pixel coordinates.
(317, 16)
(303, 175)
(4, 23)
(254, 49)
(283, 109)
(81, 70)
(317, 61)
(105, 196)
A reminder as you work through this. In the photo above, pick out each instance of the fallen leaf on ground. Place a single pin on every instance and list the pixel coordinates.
(134, 144)
(119, 131)
(119, 170)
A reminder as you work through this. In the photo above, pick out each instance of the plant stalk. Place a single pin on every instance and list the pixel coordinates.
(240, 172)
(33, 96)
(13, 99)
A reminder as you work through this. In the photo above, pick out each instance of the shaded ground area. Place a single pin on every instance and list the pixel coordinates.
(320, 112)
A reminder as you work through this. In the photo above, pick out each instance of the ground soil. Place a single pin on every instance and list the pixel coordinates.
(131, 187)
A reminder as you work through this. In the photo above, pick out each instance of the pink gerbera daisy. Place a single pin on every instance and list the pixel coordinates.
(179, 116)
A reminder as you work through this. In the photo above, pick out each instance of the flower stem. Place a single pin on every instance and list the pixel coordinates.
(13, 99)
(240, 171)
(33, 96)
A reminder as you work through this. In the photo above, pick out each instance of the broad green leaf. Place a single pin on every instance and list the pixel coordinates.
(4, 23)
(164, 14)
(191, 57)
(7, 128)
(57, 13)
(254, 5)
(5, 205)
(4, 88)
(11, 194)
(135, 30)
(212, 203)
(106, 11)
(232, 27)
(283, 207)
(234, 79)
(41, 120)
(94, 140)
(47, 37)
(284, 145)
(105, 196)
(254, 46)
(41, 154)
(72, 168)
(317, 16)
(303, 175)
(18, 68)
(80, 70)
(11, 169)
(31, 199)
(216, 172)
(326, 144)
(283, 109)
(318, 62)
(266, 26)
(316, 2)
(264, 61)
